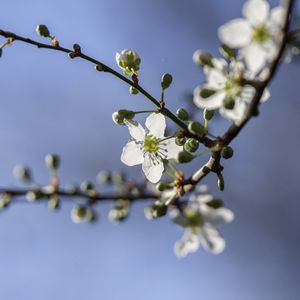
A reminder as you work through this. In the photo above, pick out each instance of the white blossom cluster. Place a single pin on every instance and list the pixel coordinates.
(249, 44)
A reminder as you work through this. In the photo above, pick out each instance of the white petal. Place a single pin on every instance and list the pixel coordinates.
(188, 243)
(255, 57)
(277, 16)
(171, 148)
(153, 168)
(136, 130)
(256, 11)
(265, 96)
(211, 240)
(156, 124)
(218, 216)
(212, 102)
(132, 154)
(235, 114)
(236, 33)
(216, 78)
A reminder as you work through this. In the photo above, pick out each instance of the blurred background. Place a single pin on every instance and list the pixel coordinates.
(51, 104)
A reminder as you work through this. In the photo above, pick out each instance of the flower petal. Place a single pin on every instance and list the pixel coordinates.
(188, 243)
(235, 114)
(212, 102)
(265, 96)
(153, 168)
(136, 130)
(255, 57)
(211, 240)
(171, 148)
(218, 216)
(132, 154)
(236, 33)
(216, 78)
(256, 11)
(277, 16)
(156, 124)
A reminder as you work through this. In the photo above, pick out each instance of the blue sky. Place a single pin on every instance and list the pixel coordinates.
(50, 103)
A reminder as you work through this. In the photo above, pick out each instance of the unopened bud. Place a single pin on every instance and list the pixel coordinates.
(184, 157)
(182, 114)
(166, 81)
(208, 114)
(227, 152)
(42, 30)
(197, 129)
(191, 145)
(203, 59)
(52, 161)
(180, 141)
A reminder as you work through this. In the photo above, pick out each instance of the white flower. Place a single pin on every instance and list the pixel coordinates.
(149, 146)
(224, 90)
(200, 222)
(258, 35)
(129, 61)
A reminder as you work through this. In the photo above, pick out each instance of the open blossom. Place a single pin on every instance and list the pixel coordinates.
(149, 146)
(257, 35)
(224, 89)
(129, 61)
(200, 221)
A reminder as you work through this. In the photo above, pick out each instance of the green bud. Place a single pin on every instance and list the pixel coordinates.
(81, 213)
(42, 30)
(191, 145)
(182, 114)
(229, 103)
(118, 178)
(221, 183)
(86, 186)
(203, 59)
(162, 186)
(129, 61)
(166, 81)
(208, 114)
(184, 157)
(104, 177)
(216, 203)
(157, 210)
(180, 141)
(32, 196)
(227, 152)
(52, 161)
(197, 129)
(54, 203)
(117, 118)
(228, 52)
(22, 173)
(126, 114)
(206, 93)
(133, 90)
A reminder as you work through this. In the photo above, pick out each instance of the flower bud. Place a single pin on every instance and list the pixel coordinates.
(104, 177)
(54, 203)
(180, 141)
(32, 196)
(162, 186)
(166, 81)
(208, 114)
(133, 90)
(129, 61)
(191, 145)
(117, 118)
(86, 187)
(227, 152)
(118, 178)
(22, 173)
(197, 129)
(52, 161)
(184, 157)
(81, 213)
(182, 114)
(229, 103)
(42, 30)
(126, 114)
(157, 210)
(203, 59)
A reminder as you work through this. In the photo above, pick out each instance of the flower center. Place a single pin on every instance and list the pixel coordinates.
(151, 144)
(260, 34)
(232, 87)
(195, 218)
